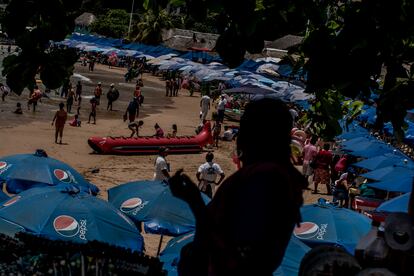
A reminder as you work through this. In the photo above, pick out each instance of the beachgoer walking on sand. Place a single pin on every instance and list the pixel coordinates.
(137, 91)
(162, 168)
(168, 85)
(132, 110)
(176, 86)
(225, 243)
(309, 153)
(159, 133)
(4, 91)
(205, 106)
(91, 63)
(34, 97)
(94, 103)
(112, 96)
(221, 108)
(207, 175)
(98, 93)
(67, 85)
(322, 175)
(78, 96)
(134, 127)
(70, 100)
(60, 117)
(216, 132)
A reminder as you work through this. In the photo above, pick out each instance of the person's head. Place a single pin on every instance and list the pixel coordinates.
(275, 145)
(174, 127)
(326, 146)
(79, 82)
(76, 116)
(222, 97)
(112, 85)
(140, 123)
(18, 105)
(36, 87)
(163, 151)
(226, 128)
(156, 126)
(61, 106)
(99, 83)
(209, 157)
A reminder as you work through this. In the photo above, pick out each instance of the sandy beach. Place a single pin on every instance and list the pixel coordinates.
(33, 130)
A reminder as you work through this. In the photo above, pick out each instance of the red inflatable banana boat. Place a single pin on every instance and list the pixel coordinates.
(151, 145)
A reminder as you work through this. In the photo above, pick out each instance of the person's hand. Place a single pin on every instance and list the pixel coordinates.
(182, 187)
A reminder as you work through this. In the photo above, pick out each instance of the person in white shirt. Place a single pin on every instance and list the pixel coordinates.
(162, 168)
(205, 106)
(207, 174)
(221, 107)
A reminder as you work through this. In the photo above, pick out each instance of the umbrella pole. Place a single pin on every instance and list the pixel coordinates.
(159, 245)
(82, 265)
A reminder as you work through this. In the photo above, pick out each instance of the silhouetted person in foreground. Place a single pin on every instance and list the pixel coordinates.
(246, 228)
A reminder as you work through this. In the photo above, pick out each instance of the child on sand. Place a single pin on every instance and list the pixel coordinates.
(173, 133)
(94, 103)
(216, 132)
(159, 133)
(76, 122)
(134, 127)
(19, 109)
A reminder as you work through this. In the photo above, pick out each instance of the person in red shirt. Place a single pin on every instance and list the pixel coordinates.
(159, 132)
(322, 174)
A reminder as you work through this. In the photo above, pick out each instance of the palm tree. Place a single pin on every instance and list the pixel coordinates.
(150, 28)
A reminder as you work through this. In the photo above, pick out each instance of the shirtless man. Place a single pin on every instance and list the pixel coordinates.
(60, 118)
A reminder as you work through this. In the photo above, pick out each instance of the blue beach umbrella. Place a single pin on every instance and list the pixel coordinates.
(397, 204)
(153, 203)
(326, 224)
(3, 196)
(395, 175)
(78, 217)
(370, 149)
(9, 228)
(25, 171)
(402, 185)
(381, 161)
(295, 251)
(351, 131)
(294, 254)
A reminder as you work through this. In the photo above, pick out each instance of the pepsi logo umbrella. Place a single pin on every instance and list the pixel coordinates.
(153, 203)
(24, 171)
(78, 217)
(294, 254)
(326, 224)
